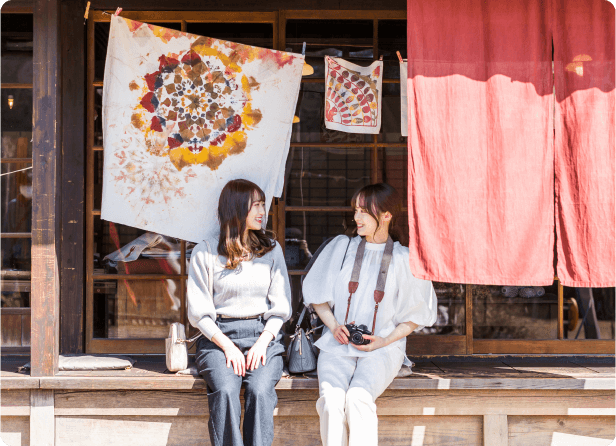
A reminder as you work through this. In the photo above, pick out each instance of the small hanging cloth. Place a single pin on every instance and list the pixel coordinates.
(404, 105)
(353, 96)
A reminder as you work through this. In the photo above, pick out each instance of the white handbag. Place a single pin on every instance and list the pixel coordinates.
(176, 350)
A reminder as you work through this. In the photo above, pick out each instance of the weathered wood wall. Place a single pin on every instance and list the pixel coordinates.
(409, 417)
(15, 328)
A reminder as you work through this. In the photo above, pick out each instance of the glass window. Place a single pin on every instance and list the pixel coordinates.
(306, 231)
(16, 180)
(255, 34)
(136, 308)
(392, 38)
(349, 39)
(512, 312)
(394, 168)
(589, 313)
(390, 122)
(451, 319)
(120, 249)
(326, 176)
(17, 40)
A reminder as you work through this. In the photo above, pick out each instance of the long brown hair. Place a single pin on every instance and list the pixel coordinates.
(379, 198)
(234, 204)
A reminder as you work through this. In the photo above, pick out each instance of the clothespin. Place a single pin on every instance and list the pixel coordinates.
(400, 57)
(118, 11)
(85, 16)
(307, 70)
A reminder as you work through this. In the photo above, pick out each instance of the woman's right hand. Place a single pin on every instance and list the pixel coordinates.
(236, 359)
(233, 354)
(341, 334)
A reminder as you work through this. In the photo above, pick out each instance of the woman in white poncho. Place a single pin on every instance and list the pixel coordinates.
(351, 377)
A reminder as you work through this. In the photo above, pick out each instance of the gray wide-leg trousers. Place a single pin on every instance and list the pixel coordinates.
(223, 386)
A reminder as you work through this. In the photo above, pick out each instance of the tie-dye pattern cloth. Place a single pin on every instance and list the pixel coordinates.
(353, 96)
(183, 115)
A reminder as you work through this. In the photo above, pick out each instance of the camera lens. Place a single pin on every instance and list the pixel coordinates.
(357, 338)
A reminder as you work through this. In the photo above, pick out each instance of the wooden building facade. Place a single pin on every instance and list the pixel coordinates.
(496, 369)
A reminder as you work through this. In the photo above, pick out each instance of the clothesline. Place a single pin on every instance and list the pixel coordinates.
(15, 171)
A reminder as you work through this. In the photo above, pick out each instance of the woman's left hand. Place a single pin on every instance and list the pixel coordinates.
(376, 342)
(258, 351)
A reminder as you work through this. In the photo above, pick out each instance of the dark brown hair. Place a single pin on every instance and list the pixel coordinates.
(379, 198)
(234, 204)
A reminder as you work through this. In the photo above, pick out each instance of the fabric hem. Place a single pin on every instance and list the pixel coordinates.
(496, 282)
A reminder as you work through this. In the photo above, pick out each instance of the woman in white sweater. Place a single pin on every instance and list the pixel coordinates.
(241, 322)
(364, 281)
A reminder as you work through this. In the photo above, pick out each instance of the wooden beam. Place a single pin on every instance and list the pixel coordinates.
(545, 347)
(89, 248)
(495, 430)
(396, 9)
(42, 420)
(190, 16)
(73, 168)
(16, 235)
(46, 146)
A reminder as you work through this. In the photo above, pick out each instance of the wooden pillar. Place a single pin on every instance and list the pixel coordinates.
(495, 430)
(72, 39)
(45, 296)
(42, 419)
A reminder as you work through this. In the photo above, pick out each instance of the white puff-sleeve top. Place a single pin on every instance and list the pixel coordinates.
(407, 299)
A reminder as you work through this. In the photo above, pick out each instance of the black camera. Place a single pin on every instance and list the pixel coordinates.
(356, 334)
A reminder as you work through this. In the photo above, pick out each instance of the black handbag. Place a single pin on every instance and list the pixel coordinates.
(301, 353)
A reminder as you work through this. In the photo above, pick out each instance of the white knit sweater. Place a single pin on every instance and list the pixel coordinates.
(258, 286)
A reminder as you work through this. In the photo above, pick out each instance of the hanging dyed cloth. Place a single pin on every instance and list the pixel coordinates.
(183, 115)
(404, 105)
(353, 96)
(584, 147)
(481, 172)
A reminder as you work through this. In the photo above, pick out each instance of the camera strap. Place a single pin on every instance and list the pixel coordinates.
(379, 292)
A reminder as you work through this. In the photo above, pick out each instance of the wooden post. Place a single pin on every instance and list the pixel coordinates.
(495, 430)
(469, 319)
(73, 168)
(42, 420)
(561, 317)
(46, 143)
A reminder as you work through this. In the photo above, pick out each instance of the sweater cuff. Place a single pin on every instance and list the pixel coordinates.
(273, 325)
(208, 327)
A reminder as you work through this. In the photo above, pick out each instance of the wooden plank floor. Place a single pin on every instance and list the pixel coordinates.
(507, 372)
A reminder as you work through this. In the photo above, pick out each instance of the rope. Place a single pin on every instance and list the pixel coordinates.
(15, 171)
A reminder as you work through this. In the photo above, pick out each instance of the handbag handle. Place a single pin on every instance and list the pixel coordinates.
(211, 287)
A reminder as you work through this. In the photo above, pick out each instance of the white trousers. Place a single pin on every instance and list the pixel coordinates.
(348, 389)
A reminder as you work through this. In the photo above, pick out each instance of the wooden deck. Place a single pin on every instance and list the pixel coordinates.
(515, 401)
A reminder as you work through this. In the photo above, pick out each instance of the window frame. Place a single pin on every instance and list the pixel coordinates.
(21, 315)
(416, 345)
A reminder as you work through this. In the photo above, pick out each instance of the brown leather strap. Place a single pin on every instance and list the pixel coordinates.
(379, 293)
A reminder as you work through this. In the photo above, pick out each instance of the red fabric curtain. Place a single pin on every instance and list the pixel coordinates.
(584, 143)
(481, 170)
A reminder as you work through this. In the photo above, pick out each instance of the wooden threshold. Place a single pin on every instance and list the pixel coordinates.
(420, 345)
(551, 346)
